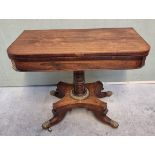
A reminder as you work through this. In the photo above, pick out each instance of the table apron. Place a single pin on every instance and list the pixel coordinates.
(78, 65)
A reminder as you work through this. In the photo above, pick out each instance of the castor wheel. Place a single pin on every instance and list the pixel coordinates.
(46, 125)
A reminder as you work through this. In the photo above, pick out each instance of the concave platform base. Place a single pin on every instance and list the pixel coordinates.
(88, 100)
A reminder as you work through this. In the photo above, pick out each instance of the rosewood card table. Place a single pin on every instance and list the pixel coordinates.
(78, 50)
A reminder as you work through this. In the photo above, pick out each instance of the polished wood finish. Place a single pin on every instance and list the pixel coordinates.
(79, 83)
(78, 42)
(92, 103)
(78, 50)
(78, 65)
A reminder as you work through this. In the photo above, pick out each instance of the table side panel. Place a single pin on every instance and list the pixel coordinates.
(78, 65)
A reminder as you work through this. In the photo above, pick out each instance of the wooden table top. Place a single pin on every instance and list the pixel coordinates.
(78, 49)
(79, 42)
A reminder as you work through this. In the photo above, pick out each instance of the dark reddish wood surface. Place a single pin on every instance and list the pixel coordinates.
(77, 65)
(79, 42)
(79, 83)
(92, 103)
(78, 49)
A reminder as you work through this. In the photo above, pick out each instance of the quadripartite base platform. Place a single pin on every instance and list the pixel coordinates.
(89, 100)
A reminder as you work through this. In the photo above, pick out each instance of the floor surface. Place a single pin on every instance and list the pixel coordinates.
(24, 109)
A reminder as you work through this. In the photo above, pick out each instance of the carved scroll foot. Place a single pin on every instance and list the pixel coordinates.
(55, 93)
(60, 91)
(104, 94)
(98, 90)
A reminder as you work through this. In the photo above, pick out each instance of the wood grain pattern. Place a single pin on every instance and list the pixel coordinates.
(92, 103)
(78, 42)
(76, 65)
(78, 49)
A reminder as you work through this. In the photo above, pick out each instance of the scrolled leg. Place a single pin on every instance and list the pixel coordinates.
(60, 91)
(105, 119)
(58, 117)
